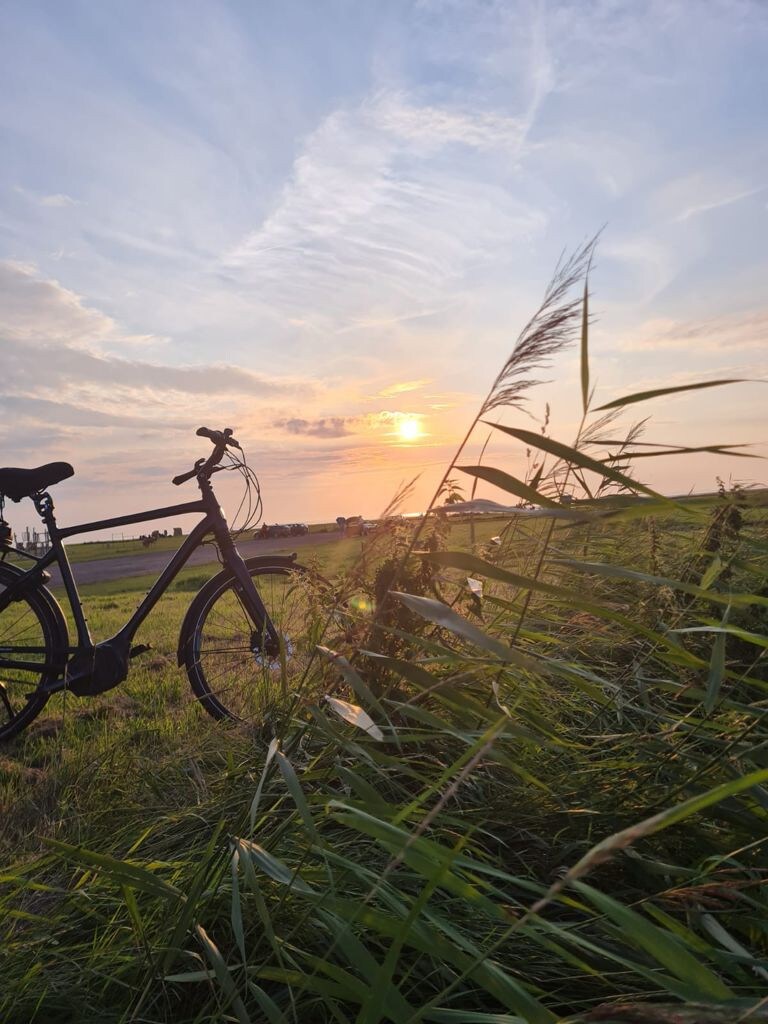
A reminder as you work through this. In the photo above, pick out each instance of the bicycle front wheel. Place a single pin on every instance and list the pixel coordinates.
(230, 671)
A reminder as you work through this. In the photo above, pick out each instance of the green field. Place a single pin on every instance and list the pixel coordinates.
(93, 550)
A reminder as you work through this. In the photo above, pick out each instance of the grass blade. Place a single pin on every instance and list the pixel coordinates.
(121, 872)
(356, 716)
(223, 975)
(585, 348)
(510, 484)
(716, 665)
(294, 788)
(271, 751)
(641, 396)
(663, 947)
(577, 458)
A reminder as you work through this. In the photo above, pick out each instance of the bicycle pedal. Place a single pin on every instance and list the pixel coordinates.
(139, 649)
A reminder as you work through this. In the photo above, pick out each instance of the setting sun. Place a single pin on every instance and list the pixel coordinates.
(409, 428)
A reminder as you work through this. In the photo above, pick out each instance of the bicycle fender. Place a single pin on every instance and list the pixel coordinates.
(41, 577)
(12, 572)
(257, 562)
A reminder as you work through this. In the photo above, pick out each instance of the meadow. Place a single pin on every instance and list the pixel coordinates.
(94, 550)
(545, 797)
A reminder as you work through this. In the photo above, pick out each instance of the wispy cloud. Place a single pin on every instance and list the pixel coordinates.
(378, 216)
(58, 199)
(428, 127)
(405, 386)
(54, 200)
(716, 204)
(739, 331)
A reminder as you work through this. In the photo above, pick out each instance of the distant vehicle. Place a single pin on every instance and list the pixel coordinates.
(353, 526)
(299, 529)
(270, 532)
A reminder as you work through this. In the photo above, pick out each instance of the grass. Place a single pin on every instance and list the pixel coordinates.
(560, 812)
(94, 550)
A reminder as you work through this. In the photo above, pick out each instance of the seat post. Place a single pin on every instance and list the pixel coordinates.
(6, 534)
(43, 503)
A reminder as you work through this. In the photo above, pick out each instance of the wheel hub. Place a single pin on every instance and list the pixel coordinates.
(266, 651)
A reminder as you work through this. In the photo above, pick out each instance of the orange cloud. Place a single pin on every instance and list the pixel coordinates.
(403, 387)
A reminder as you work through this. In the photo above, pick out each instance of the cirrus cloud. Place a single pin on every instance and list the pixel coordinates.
(743, 330)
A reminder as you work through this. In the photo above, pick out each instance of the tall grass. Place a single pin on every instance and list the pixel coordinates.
(544, 796)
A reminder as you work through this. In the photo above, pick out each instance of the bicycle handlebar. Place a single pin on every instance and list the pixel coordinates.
(218, 436)
(221, 439)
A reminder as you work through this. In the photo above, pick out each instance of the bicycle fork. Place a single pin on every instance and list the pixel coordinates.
(265, 638)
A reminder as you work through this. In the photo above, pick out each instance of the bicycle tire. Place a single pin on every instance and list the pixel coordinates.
(34, 620)
(229, 674)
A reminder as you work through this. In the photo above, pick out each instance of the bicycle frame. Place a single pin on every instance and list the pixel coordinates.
(213, 522)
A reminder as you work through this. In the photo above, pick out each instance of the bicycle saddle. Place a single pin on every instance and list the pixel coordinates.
(21, 483)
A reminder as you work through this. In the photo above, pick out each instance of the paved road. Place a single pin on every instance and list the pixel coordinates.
(104, 569)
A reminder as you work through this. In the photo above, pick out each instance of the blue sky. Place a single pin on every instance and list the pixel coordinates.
(309, 219)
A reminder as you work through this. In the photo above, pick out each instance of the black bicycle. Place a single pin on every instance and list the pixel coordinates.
(248, 633)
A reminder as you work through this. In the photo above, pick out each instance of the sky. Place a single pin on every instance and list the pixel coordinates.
(316, 220)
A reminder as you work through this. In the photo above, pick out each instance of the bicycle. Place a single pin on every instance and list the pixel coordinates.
(245, 629)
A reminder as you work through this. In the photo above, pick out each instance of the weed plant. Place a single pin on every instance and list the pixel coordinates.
(539, 794)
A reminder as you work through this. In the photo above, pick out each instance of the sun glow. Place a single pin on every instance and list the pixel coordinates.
(409, 428)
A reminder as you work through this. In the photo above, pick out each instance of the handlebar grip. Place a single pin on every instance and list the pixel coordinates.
(183, 477)
(218, 436)
(212, 435)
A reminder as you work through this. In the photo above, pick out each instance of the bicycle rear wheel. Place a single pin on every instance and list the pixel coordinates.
(228, 668)
(33, 646)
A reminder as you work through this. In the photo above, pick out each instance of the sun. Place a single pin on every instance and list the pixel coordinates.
(409, 428)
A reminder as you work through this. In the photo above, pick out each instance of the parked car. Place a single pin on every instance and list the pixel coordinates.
(299, 529)
(270, 532)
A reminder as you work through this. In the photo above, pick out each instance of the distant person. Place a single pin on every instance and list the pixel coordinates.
(341, 522)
